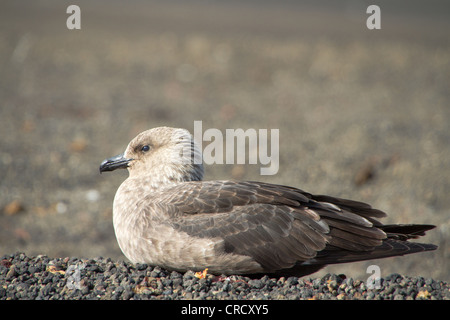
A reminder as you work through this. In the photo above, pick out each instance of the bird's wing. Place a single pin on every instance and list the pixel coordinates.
(277, 226)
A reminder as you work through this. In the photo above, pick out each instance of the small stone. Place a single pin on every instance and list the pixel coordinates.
(13, 208)
(11, 273)
(256, 284)
(78, 145)
(423, 295)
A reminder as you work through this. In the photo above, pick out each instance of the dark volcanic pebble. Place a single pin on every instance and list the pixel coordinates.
(44, 278)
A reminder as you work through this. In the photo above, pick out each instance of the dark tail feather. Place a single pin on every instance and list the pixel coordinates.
(389, 248)
(396, 244)
(405, 231)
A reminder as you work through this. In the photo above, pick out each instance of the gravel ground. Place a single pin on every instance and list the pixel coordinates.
(362, 115)
(44, 278)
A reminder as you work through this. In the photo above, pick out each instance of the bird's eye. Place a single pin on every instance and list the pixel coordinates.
(145, 148)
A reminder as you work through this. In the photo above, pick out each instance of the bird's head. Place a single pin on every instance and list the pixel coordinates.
(166, 154)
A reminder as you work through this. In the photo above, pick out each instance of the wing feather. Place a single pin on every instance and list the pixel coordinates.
(279, 227)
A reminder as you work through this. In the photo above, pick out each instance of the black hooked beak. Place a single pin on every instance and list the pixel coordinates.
(117, 162)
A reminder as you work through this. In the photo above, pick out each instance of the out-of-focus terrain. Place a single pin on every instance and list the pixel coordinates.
(362, 114)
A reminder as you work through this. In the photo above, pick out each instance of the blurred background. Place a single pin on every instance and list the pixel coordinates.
(362, 114)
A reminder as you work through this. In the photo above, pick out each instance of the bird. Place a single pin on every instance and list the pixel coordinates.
(165, 214)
